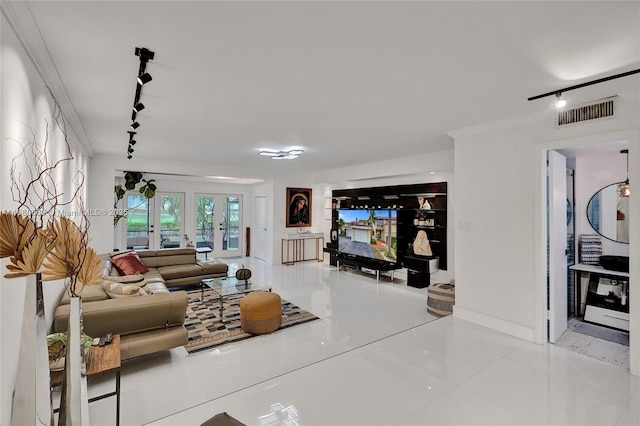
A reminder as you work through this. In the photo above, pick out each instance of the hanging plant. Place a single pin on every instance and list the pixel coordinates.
(131, 180)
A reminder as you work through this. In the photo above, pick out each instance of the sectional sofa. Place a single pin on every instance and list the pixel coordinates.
(139, 307)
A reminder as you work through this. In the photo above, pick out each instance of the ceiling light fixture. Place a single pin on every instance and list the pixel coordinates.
(560, 103)
(624, 190)
(143, 77)
(282, 155)
(557, 93)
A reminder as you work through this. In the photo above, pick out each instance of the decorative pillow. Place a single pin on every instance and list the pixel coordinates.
(118, 254)
(116, 290)
(129, 265)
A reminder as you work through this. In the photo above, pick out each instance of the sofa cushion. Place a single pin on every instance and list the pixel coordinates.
(129, 265)
(168, 257)
(213, 266)
(179, 271)
(116, 290)
(89, 293)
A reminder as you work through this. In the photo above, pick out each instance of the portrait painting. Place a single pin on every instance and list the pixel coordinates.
(298, 207)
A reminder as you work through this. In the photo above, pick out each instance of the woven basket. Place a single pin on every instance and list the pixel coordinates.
(440, 298)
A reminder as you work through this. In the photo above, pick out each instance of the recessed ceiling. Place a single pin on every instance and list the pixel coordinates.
(348, 82)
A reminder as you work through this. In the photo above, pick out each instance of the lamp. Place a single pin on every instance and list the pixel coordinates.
(144, 78)
(624, 190)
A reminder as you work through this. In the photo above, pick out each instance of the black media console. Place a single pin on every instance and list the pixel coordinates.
(359, 263)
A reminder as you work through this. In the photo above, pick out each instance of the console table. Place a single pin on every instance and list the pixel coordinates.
(294, 247)
(104, 359)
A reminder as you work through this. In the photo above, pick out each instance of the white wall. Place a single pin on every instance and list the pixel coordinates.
(26, 105)
(500, 227)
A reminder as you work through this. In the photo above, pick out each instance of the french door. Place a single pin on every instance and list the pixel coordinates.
(218, 224)
(168, 223)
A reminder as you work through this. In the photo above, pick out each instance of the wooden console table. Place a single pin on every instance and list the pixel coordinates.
(104, 359)
(294, 247)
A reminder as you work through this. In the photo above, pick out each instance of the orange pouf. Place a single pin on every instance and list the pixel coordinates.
(261, 312)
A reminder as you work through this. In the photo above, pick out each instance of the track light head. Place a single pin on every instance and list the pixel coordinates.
(130, 150)
(135, 125)
(138, 107)
(144, 78)
(560, 103)
(129, 157)
(132, 142)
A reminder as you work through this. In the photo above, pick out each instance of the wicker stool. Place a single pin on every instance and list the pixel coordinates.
(260, 312)
(440, 298)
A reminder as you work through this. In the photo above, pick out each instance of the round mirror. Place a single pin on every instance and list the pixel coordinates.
(608, 214)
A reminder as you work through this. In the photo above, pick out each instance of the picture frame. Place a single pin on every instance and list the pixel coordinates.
(298, 208)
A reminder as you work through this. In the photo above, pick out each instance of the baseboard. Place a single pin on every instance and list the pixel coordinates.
(493, 323)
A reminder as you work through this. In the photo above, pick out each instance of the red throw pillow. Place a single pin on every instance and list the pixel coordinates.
(129, 265)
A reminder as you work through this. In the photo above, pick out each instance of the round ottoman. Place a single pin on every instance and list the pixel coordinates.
(440, 298)
(260, 312)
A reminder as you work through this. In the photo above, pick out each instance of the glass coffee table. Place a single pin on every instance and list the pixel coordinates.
(230, 286)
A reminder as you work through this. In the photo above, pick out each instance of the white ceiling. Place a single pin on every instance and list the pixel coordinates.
(349, 82)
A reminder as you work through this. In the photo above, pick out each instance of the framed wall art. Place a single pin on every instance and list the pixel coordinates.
(298, 207)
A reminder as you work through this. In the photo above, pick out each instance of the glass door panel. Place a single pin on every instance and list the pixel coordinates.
(231, 225)
(205, 220)
(138, 226)
(170, 219)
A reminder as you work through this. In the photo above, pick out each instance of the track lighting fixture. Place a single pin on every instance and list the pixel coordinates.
(560, 103)
(281, 155)
(144, 78)
(557, 93)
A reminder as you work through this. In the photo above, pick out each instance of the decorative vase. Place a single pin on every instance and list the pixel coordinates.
(32, 395)
(74, 400)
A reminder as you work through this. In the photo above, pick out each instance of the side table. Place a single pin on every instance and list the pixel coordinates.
(104, 359)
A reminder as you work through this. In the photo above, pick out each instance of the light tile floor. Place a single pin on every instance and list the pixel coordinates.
(376, 357)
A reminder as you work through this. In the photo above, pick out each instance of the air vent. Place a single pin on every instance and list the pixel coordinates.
(601, 109)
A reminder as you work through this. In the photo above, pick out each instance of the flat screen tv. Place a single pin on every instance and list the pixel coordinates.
(368, 233)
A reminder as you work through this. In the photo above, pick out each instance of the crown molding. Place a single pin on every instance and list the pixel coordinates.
(21, 21)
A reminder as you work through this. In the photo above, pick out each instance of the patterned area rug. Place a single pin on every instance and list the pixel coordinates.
(207, 331)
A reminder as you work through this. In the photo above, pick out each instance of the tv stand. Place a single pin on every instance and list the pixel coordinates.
(359, 263)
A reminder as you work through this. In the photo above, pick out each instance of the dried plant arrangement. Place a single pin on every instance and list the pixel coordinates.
(48, 232)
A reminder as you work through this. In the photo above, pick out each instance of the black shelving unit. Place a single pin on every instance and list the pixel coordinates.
(404, 199)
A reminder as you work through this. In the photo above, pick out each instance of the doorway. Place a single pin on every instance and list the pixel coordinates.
(566, 326)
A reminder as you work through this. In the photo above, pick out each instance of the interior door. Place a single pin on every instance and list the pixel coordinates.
(557, 243)
(261, 205)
